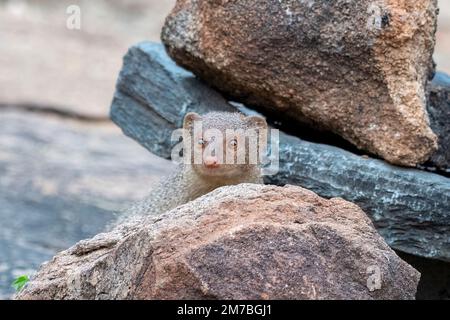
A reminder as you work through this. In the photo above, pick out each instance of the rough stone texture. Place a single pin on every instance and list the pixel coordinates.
(409, 207)
(357, 68)
(439, 111)
(62, 180)
(240, 242)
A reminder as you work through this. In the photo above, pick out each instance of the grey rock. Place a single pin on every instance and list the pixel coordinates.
(409, 207)
(233, 243)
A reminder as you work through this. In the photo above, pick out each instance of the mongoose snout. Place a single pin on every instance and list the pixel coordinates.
(211, 162)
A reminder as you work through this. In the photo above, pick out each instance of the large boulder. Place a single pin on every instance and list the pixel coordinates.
(410, 208)
(358, 68)
(238, 242)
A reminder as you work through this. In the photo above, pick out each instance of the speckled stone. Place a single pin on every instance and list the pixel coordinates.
(357, 68)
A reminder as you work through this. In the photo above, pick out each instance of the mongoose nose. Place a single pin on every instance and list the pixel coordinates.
(211, 162)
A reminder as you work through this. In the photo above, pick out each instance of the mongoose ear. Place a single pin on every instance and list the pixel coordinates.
(189, 119)
(256, 122)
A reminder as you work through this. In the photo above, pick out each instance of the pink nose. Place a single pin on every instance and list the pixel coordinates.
(211, 162)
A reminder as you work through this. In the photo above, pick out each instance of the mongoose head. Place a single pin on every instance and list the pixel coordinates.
(224, 143)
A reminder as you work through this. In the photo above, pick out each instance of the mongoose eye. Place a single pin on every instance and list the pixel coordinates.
(233, 143)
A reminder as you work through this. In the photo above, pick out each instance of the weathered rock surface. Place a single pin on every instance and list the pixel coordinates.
(240, 242)
(357, 68)
(439, 111)
(61, 181)
(410, 208)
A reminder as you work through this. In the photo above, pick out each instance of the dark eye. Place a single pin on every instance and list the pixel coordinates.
(233, 143)
(201, 142)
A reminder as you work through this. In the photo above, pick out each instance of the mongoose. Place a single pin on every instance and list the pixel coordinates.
(193, 179)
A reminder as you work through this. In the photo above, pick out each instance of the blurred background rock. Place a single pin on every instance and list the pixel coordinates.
(45, 63)
(64, 167)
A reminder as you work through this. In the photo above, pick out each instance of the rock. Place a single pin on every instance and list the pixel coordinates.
(62, 180)
(238, 242)
(439, 111)
(410, 208)
(357, 68)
